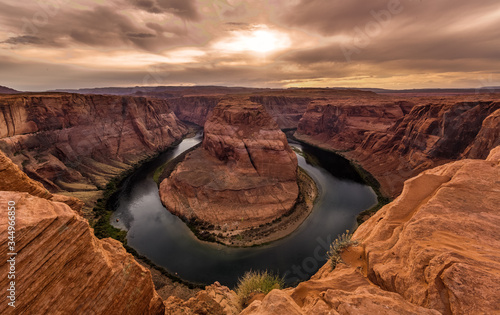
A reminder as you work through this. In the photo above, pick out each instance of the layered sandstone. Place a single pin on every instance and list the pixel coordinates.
(194, 109)
(244, 175)
(62, 268)
(398, 140)
(433, 250)
(77, 142)
(13, 179)
(215, 299)
(286, 110)
(344, 124)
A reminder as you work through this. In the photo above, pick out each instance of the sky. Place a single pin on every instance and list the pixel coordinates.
(394, 44)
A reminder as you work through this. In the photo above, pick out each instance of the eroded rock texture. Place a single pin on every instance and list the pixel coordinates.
(62, 268)
(433, 250)
(245, 173)
(397, 140)
(78, 142)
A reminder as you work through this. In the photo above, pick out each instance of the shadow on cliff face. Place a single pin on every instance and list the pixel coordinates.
(335, 164)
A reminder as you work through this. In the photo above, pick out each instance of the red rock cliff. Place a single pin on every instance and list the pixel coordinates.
(395, 144)
(78, 142)
(62, 268)
(433, 250)
(244, 175)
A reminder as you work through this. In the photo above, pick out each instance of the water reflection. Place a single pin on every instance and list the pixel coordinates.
(167, 241)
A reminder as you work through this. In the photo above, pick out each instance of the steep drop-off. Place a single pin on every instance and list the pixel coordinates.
(244, 175)
(433, 250)
(397, 141)
(13, 179)
(62, 268)
(78, 142)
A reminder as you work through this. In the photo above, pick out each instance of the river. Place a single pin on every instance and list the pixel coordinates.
(162, 237)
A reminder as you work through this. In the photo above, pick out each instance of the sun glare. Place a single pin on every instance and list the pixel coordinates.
(259, 40)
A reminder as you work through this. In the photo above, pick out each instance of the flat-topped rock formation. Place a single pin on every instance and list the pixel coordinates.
(244, 175)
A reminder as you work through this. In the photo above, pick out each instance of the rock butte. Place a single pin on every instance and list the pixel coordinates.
(244, 174)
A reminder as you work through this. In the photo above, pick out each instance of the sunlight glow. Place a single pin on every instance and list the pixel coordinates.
(259, 39)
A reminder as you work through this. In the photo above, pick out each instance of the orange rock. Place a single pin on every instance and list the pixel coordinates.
(243, 176)
(215, 299)
(78, 142)
(437, 244)
(62, 268)
(396, 140)
(433, 250)
(13, 179)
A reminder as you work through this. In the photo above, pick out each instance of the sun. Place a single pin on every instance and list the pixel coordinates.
(260, 39)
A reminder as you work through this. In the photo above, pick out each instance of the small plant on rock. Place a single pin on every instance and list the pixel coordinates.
(254, 282)
(337, 247)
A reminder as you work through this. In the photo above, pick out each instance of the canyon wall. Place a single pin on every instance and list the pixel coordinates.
(433, 250)
(194, 109)
(77, 143)
(244, 175)
(60, 266)
(395, 141)
(286, 110)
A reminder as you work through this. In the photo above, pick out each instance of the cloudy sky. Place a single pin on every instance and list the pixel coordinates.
(259, 43)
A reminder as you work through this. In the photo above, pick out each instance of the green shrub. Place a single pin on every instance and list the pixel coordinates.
(337, 247)
(257, 282)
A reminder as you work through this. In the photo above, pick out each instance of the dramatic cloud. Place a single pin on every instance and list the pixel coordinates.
(269, 43)
(183, 8)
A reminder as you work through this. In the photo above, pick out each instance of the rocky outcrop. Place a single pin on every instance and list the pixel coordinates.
(433, 250)
(244, 175)
(286, 110)
(395, 144)
(214, 300)
(194, 109)
(13, 179)
(62, 268)
(487, 138)
(78, 142)
(344, 125)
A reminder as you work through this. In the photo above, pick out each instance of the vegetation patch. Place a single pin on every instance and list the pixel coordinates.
(104, 209)
(255, 282)
(342, 242)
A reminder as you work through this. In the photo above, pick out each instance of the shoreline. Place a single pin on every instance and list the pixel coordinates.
(280, 227)
(102, 227)
(368, 178)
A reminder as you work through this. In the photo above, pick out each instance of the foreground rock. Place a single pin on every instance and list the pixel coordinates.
(77, 143)
(62, 268)
(399, 139)
(244, 175)
(433, 250)
(13, 179)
